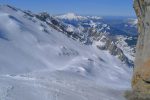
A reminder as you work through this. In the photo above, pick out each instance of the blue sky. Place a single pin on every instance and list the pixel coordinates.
(84, 7)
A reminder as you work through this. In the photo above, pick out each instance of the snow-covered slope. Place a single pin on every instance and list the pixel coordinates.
(39, 63)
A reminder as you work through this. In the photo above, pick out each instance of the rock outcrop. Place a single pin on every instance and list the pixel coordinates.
(141, 77)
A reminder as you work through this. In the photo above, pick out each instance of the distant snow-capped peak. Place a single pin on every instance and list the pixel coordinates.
(71, 16)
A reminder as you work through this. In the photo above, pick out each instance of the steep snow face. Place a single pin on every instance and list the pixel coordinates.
(39, 63)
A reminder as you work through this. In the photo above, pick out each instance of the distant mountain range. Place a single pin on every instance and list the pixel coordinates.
(119, 25)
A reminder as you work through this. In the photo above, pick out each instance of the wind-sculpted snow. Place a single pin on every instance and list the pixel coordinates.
(39, 63)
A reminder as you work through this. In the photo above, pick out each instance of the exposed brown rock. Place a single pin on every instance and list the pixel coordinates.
(141, 77)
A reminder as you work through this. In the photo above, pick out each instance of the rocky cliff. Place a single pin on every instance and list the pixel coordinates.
(141, 78)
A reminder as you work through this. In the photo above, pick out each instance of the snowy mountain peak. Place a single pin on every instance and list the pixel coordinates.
(71, 16)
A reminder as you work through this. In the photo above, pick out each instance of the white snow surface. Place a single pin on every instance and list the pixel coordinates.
(39, 65)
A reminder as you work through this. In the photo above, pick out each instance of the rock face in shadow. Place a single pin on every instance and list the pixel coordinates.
(141, 77)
